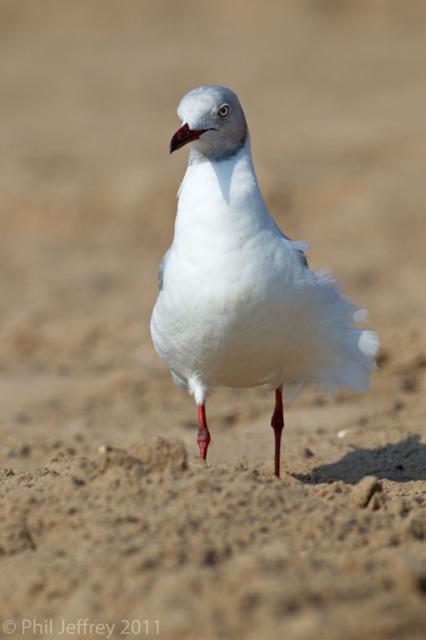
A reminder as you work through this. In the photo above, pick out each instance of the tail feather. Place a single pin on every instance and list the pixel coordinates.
(352, 349)
(355, 362)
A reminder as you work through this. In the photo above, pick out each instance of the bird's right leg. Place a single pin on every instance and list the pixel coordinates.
(203, 436)
(277, 423)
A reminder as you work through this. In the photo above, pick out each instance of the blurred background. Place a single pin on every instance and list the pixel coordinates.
(335, 97)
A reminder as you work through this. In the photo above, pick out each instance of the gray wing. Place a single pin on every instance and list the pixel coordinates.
(161, 269)
(303, 258)
(300, 247)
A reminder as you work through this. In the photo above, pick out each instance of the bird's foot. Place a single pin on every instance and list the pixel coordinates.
(277, 423)
(203, 440)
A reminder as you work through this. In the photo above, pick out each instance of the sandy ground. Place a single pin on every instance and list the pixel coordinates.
(106, 513)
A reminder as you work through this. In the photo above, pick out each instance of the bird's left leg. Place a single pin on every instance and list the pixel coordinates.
(203, 436)
(277, 423)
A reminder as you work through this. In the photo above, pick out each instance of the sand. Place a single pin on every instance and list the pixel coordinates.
(107, 516)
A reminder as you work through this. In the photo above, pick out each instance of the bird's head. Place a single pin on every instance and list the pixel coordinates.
(213, 122)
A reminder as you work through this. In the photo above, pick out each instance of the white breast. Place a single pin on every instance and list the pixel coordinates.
(223, 290)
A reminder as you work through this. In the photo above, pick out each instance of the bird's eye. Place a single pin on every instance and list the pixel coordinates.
(224, 111)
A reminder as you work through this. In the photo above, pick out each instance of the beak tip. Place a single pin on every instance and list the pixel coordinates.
(183, 136)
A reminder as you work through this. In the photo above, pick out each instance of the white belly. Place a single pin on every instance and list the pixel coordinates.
(230, 323)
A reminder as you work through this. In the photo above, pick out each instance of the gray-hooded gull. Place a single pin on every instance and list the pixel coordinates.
(238, 305)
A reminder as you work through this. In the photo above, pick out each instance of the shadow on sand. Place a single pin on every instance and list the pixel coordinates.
(402, 461)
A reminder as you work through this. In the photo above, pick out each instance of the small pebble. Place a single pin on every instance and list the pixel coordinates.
(343, 433)
(103, 449)
(364, 490)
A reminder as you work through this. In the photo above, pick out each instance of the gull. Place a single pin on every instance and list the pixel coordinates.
(238, 305)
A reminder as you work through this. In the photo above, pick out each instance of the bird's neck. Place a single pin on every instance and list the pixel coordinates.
(221, 185)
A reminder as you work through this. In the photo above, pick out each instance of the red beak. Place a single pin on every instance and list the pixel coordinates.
(185, 135)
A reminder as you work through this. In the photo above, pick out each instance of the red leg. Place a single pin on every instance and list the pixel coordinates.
(277, 423)
(203, 436)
